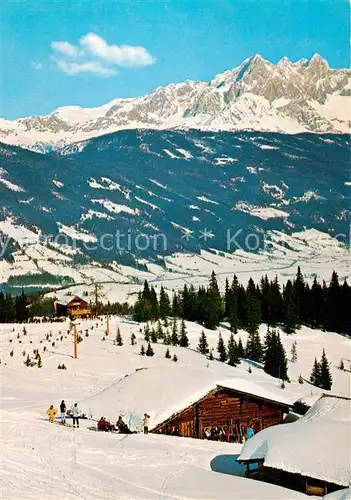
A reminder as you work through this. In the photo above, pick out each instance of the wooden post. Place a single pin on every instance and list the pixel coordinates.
(108, 325)
(75, 341)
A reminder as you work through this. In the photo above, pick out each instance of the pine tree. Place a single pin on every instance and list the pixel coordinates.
(233, 351)
(119, 340)
(341, 365)
(175, 358)
(275, 361)
(315, 377)
(159, 331)
(253, 308)
(300, 296)
(27, 361)
(142, 350)
(241, 350)
(214, 309)
(167, 355)
(300, 379)
(147, 333)
(153, 336)
(165, 304)
(290, 320)
(253, 349)
(210, 357)
(174, 336)
(222, 351)
(133, 339)
(326, 380)
(294, 352)
(203, 344)
(183, 339)
(149, 350)
(40, 363)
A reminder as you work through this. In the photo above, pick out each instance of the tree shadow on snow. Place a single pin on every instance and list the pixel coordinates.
(226, 464)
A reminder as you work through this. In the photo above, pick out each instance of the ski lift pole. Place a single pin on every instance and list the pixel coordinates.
(107, 325)
(75, 341)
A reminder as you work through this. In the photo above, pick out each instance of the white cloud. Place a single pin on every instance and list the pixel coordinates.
(73, 69)
(37, 65)
(95, 55)
(123, 55)
(66, 49)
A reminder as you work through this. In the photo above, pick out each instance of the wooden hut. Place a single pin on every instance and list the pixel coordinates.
(224, 413)
(311, 455)
(73, 307)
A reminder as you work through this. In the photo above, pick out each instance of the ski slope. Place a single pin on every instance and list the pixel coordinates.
(39, 458)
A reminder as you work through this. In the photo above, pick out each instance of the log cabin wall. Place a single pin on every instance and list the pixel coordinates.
(229, 412)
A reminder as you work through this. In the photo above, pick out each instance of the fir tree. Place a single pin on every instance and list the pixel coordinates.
(326, 380)
(222, 351)
(183, 338)
(175, 358)
(159, 331)
(174, 336)
(315, 377)
(149, 350)
(119, 340)
(165, 304)
(142, 350)
(233, 351)
(167, 355)
(210, 357)
(40, 363)
(300, 380)
(275, 362)
(153, 336)
(253, 349)
(27, 361)
(294, 352)
(133, 339)
(290, 320)
(341, 365)
(214, 309)
(203, 344)
(241, 350)
(147, 333)
(253, 308)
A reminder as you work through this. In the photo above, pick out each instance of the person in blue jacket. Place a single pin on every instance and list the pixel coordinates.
(249, 432)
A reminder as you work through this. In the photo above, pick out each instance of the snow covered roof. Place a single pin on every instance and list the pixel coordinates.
(66, 299)
(317, 445)
(144, 391)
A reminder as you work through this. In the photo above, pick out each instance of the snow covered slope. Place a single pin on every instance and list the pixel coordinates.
(257, 95)
(38, 457)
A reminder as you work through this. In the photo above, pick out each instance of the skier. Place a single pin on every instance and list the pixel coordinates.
(75, 414)
(63, 412)
(146, 421)
(51, 412)
(249, 432)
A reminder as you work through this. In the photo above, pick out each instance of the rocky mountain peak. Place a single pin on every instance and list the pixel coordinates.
(287, 97)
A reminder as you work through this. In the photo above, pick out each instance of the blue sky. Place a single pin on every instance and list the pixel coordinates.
(111, 48)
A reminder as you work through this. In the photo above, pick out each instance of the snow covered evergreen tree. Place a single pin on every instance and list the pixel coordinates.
(149, 350)
(222, 351)
(203, 344)
(183, 338)
(326, 380)
(119, 340)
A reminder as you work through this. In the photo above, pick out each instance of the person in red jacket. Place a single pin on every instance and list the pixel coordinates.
(104, 425)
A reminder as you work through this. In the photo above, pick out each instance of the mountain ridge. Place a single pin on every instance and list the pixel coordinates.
(287, 97)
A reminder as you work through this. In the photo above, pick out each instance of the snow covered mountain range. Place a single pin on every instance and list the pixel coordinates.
(257, 95)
